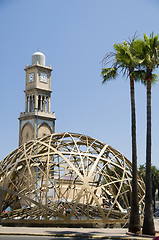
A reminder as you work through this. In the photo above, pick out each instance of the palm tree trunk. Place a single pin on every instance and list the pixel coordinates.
(153, 196)
(134, 225)
(148, 226)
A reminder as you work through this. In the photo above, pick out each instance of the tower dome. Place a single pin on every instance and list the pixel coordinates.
(39, 58)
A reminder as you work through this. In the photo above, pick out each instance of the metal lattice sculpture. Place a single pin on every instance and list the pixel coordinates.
(67, 178)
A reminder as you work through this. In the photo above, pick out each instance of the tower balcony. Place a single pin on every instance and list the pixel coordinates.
(38, 113)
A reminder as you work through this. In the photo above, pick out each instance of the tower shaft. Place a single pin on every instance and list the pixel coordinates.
(37, 120)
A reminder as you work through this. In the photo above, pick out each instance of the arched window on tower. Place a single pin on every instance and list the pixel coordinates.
(47, 109)
(27, 109)
(39, 100)
(33, 103)
(30, 103)
(43, 104)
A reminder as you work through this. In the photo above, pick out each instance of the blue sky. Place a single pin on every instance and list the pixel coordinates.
(75, 35)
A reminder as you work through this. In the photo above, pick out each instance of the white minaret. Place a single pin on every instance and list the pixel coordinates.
(37, 120)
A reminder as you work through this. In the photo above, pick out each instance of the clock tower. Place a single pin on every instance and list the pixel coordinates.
(37, 120)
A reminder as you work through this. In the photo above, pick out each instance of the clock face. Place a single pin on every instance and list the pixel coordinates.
(43, 77)
(31, 77)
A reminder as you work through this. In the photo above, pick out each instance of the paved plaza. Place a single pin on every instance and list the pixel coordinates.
(96, 233)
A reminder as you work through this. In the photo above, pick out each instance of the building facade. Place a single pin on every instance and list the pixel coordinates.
(37, 120)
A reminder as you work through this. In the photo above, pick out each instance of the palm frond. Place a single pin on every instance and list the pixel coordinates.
(154, 80)
(133, 39)
(109, 57)
(108, 74)
(139, 75)
(135, 56)
(151, 51)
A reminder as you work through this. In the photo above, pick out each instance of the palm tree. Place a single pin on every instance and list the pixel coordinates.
(125, 60)
(142, 171)
(155, 183)
(149, 51)
(155, 180)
